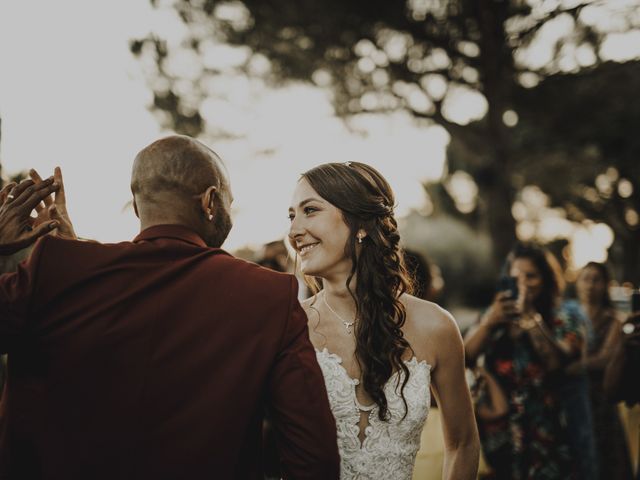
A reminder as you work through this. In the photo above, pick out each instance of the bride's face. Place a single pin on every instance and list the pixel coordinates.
(318, 233)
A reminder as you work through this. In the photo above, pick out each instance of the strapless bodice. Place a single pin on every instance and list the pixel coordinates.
(389, 447)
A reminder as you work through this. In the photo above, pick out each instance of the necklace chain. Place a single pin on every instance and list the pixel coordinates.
(347, 325)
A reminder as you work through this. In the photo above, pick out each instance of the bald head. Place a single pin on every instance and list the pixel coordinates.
(179, 180)
(178, 165)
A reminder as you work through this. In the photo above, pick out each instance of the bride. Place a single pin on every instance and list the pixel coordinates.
(381, 350)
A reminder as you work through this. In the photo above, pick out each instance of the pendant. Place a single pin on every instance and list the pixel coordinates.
(348, 326)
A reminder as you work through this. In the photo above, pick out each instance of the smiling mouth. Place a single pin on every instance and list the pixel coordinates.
(306, 249)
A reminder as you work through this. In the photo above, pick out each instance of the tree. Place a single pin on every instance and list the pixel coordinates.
(602, 183)
(424, 56)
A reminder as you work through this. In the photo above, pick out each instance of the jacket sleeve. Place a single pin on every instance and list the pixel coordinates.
(16, 292)
(305, 427)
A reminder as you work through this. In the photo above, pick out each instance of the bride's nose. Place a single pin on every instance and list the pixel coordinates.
(296, 229)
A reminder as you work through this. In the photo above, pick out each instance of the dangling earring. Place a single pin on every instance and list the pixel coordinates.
(360, 239)
(210, 216)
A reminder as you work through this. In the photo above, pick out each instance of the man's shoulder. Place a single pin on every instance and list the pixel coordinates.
(252, 272)
(262, 287)
(64, 242)
(235, 270)
(55, 248)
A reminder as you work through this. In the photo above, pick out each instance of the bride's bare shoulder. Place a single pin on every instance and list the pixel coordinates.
(430, 322)
(426, 314)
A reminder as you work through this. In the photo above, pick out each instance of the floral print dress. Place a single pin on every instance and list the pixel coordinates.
(530, 441)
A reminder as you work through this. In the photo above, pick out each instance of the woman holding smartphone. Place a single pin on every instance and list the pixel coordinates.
(525, 340)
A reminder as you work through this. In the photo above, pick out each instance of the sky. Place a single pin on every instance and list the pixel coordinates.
(71, 94)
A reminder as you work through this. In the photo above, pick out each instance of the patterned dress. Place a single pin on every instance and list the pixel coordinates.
(530, 441)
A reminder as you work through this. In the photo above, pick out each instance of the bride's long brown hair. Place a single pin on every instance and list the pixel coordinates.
(366, 201)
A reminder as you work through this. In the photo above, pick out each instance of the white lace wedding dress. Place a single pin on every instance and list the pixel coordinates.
(389, 449)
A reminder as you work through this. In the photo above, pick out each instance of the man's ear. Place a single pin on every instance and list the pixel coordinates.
(135, 207)
(207, 202)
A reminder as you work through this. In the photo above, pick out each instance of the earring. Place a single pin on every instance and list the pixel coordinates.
(210, 216)
(359, 238)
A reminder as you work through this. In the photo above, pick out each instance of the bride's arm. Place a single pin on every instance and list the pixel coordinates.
(450, 388)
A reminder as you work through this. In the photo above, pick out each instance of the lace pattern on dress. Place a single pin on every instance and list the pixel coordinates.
(389, 447)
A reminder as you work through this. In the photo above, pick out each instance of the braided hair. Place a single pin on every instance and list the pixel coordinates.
(366, 201)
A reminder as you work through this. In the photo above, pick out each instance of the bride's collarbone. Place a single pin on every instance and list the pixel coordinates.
(334, 338)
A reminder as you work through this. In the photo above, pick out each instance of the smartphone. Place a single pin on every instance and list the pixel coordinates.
(635, 301)
(508, 284)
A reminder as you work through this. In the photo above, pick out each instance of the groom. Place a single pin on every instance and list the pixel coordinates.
(153, 358)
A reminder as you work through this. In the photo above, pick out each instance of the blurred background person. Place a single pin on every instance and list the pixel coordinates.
(491, 408)
(621, 374)
(275, 256)
(526, 339)
(426, 276)
(610, 438)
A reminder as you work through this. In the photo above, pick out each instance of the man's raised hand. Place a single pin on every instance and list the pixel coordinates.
(18, 229)
(55, 208)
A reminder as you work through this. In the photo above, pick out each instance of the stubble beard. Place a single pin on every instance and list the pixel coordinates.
(220, 229)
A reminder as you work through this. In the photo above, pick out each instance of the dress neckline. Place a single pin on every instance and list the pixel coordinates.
(411, 362)
(359, 438)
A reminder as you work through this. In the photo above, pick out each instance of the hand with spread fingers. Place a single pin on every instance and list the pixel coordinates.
(18, 229)
(54, 208)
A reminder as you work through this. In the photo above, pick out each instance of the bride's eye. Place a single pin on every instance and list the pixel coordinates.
(308, 210)
(291, 216)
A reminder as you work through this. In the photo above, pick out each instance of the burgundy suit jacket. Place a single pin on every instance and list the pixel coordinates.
(156, 359)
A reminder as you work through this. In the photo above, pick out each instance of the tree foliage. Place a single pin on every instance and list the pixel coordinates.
(553, 109)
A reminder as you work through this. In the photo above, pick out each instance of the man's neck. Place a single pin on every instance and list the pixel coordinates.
(146, 222)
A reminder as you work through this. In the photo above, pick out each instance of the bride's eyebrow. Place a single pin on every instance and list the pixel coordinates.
(304, 202)
(308, 200)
